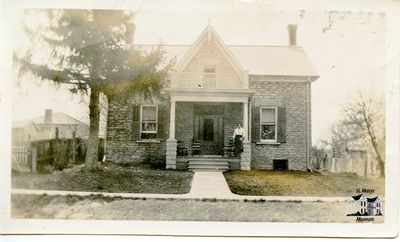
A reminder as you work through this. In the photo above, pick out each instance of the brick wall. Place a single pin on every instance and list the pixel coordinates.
(233, 114)
(123, 146)
(292, 96)
(123, 142)
(184, 124)
(185, 112)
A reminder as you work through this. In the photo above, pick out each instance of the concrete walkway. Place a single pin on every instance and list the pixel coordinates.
(205, 185)
(211, 185)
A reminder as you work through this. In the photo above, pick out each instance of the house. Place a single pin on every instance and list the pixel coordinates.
(365, 206)
(358, 203)
(47, 127)
(374, 206)
(213, 87)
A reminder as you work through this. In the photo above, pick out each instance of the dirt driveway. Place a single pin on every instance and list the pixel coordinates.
(74, 207)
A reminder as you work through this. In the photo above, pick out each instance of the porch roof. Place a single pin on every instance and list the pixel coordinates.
(258, 60)
(210, 95)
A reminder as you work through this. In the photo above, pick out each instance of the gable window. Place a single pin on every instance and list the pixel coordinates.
(268, 124)
(148, 122)
(209, 77)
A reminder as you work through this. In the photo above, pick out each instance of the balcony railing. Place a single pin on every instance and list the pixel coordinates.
(209, 80)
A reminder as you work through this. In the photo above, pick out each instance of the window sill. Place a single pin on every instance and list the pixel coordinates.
(268, 143)
(147, 141)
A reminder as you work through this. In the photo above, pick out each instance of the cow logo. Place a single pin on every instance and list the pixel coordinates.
(360, 205)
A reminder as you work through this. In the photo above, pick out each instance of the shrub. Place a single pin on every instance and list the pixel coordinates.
(154, 160)
(61, 154)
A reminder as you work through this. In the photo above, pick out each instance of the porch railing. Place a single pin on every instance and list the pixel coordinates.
(209, 80)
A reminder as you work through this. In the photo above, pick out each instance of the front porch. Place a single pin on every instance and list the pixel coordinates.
(201, 126)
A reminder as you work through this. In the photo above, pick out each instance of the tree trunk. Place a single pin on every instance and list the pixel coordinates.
(372, 137)
(92, 154)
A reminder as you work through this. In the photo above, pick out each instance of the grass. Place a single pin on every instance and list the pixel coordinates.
(109, 177)
(299, 183)
(100, 207)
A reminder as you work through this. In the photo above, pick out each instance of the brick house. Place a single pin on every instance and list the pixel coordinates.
(213, 87)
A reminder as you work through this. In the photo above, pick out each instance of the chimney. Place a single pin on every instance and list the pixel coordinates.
(48, 116)
(292, 29)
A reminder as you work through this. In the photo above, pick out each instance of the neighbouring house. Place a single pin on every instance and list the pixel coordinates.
(39, 132)
(213, 87)
(47, 127)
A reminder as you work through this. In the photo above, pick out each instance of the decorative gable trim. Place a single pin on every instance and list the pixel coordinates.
(209, 34)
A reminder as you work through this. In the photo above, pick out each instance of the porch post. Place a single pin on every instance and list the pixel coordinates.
(172, 121)
(246, 120)
(171, 145)
(245, 156)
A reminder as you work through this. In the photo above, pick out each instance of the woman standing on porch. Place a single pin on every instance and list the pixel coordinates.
(238, 137)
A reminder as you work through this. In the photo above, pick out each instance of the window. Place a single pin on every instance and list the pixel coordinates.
(209, 77)
(268, 127)
(280, 165)
(148, 122)
(209, 70)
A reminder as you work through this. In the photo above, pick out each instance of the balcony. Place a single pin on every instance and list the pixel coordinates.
(195, 80)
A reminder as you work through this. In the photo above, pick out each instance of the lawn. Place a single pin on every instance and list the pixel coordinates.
(99, 207)
(299, 183)
(109, 177)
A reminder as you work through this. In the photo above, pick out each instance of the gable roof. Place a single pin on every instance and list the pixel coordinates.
(257, 60)
(208, 34)
(358, 197)
(373, 199)
(57, 118)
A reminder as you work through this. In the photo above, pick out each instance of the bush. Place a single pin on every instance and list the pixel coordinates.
(154, 160)
(62, 154)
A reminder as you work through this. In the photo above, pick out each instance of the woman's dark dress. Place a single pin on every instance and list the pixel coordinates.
(238, 144)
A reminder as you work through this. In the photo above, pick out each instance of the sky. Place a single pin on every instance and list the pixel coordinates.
(345, 40)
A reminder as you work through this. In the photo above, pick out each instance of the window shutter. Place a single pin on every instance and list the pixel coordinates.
(255, 123)
(281, 124)
(161, 134)
(136, 122)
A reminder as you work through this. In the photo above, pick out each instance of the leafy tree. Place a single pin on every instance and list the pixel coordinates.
(92, 52)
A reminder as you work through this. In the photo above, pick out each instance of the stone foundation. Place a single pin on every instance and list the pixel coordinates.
(245, 156)
(171, 154)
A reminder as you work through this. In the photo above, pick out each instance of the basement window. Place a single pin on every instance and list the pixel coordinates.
(280, 165)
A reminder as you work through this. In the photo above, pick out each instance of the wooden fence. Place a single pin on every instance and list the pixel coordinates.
(21, 158)
(352, 161)
(56, 152)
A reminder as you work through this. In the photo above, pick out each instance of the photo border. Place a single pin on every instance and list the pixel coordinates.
(34, 226)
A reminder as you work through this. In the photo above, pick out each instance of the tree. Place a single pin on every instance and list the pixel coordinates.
(364, 119)
(362, 125)
(92, 52)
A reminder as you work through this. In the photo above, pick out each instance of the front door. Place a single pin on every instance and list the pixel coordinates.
(208, 131)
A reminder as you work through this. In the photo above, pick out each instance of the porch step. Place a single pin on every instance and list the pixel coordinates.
(208, 165)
